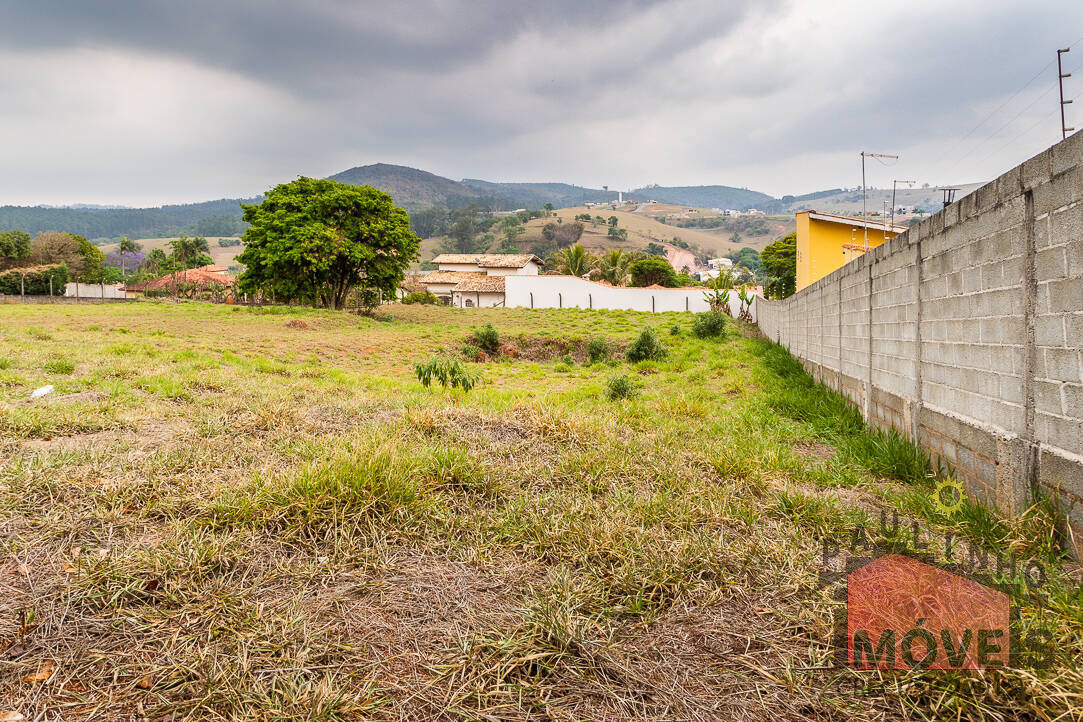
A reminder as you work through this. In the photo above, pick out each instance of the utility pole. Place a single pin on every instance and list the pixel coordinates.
(893, 184)
(1061, 75)
(865, 190)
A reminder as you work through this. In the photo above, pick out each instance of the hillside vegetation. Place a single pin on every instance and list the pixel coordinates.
(259, 513)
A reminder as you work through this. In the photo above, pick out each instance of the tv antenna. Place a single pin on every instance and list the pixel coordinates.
(893, 184)
(1061, 75)
(865, 190)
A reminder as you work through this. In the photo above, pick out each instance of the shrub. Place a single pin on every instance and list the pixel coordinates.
(446, 372)
(650, 271)
(60, 366)
(620, 387)
(709, 324)
(487, 338)
(598, 349)
(471, 351)
(425, 298)
(567, 360)
(646, 347)
(35, 280)
(675, 330)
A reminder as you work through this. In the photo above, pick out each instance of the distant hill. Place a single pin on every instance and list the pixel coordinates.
(411, 188)
(536, 195)
(418, 190)
(211, 218)
(739, 199)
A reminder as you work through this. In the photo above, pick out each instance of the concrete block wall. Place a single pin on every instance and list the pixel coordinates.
(966, 334)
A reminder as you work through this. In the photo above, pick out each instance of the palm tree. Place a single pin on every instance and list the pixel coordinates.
(187, 249)
(613, 266)
(573, 261)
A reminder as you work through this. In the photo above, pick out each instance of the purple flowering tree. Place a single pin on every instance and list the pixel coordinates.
(126, 261)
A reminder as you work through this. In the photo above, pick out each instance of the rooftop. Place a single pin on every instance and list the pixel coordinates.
(450, 276)
(854, 222)
(490, 260)
(490, 284)
(193, 276)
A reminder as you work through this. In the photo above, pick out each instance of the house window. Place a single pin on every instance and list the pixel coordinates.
(468, 303)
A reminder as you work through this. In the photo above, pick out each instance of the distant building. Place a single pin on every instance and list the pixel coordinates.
(195, 282)
(826, 241)
(477, 280)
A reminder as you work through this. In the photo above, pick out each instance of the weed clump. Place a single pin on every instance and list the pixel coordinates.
(647, 347)
(621, 387)
(598, 349)
(60, 366)
(487, 338)
(446, 372)
(709, 324)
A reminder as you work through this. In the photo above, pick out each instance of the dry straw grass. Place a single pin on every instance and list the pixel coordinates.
(219, 516)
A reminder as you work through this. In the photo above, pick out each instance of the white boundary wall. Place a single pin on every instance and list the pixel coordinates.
(94, 290)
(572, 292)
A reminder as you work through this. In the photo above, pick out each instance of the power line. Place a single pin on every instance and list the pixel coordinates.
(1017, 136)
(1011, 120)
(1000, 107)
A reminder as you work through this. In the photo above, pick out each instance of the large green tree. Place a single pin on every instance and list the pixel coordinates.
(316, 240)
(779, 260)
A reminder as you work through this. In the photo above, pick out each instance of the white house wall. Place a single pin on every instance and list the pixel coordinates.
(530, 269)
(480, 299)
(572, 292)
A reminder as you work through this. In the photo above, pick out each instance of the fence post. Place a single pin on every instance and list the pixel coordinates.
(50, 285)
(22, 286)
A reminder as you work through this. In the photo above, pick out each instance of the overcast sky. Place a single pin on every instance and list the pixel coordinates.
(148, 102)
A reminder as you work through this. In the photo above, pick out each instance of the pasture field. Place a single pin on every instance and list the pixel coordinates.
(260, 513)
(642, 229)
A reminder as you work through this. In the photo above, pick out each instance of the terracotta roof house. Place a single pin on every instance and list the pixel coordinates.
(477, 279)
(189, 284)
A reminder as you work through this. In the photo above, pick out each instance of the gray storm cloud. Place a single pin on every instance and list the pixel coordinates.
(150, 102)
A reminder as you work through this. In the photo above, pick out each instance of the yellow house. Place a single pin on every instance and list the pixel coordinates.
(826, 242)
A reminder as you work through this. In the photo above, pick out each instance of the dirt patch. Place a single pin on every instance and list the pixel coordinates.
(541, 348)
(416, 611)
(296, 323)
(151, 435)
(815, 450)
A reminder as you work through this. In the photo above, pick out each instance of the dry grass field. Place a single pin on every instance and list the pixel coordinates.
(260, 513)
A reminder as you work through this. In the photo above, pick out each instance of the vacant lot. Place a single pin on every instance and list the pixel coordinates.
(260, 513)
